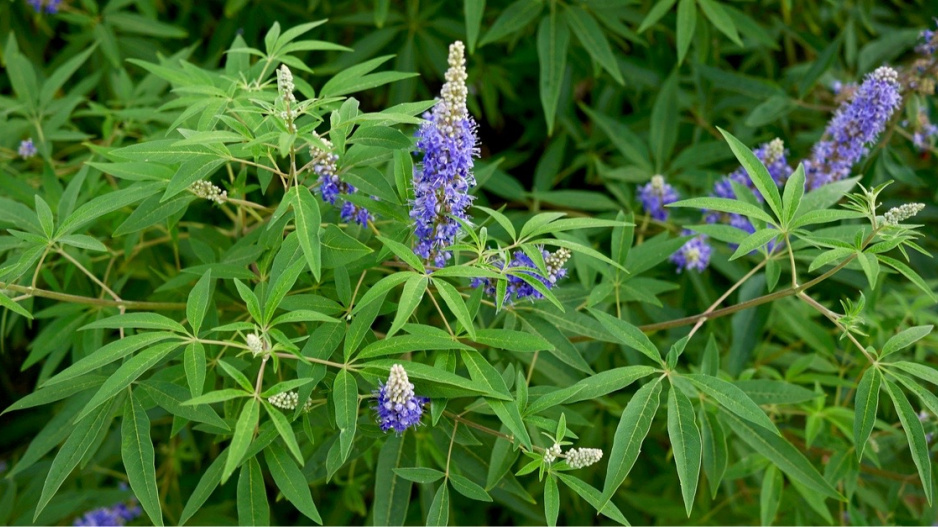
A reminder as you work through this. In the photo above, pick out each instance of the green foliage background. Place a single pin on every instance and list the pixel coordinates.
(578, 102)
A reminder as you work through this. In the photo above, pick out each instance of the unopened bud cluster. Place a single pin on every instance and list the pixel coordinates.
(289, 401)
(206, 190)
(583, 457)
(897, 215)
(554, 264)
(454, 91)
(257, 345)
(552, 453)
(400, 389)
(285, 87)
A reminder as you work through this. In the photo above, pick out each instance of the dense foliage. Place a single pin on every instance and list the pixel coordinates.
(527, 262)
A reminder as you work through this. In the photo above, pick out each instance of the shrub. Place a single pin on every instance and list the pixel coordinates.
(275, 280)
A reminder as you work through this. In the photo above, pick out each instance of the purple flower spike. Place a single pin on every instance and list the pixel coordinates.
(856, 124)
(655, 195)
(441, 184)
(397, 406)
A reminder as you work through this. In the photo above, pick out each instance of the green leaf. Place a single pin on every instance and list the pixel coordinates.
(189, 172)
(46, 220)
(512, 340)
(685, 443)
(242, 437)
(757, 172)
(280, 287)
(195, 366)
(411, 296)
(56, 392)
(105, 204)
(127, 373)
(593, 497)
(137, 321)
(197, 303)
(629, 144)
(771, 494)
(474, 9)
(714, 11)
(381, 288)
(236, 374)
(345, 399)
(285, 430)
(660, 9)
(513, 18)
(732, 399)
(439, 508)
(609, 381)
(591, 35)
(83, 241)
(484, 374)
(754, 241)
(733, 206)
(911, 275)
(139, 458)
(391, 491)
(173, 398)
(551, 501)
(915, 434)
(866, 402)
(291, 481)
(420, 474)
(436, 382)
(250, 300)
(308, 221)
(8, 303)
(714, 450)
(794, 191)
(253, 508)
(904, 339)
(686, 25)
(782, 454)
(467, 488)
(629, 335)
(382, 137)
(203, 490)
(408, 343)
(919, 370)
(664, 119)
(633, 427)
(80, 439)
(404, 253)
(456, 304)
(553, 41)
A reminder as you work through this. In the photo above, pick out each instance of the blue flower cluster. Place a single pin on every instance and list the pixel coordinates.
(51, 7)
(324, 165)
(397, 406)
(655, 195)
(441, 184)
(118, 514)
(855, 125)
(518, 288)
(693, 255)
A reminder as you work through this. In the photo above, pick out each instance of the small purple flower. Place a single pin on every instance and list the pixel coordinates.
(695, 254)
(325, 166)
(51, 7)
(655, 195)
(856, 124)
(518, 288)
(923, 131)
(397, 406)
(27, 148)
(929, 42)
(442, 182)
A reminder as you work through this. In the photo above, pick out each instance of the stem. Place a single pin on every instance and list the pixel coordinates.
(101, 302)
(726, 295)
(445, 322)
(316, 361)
